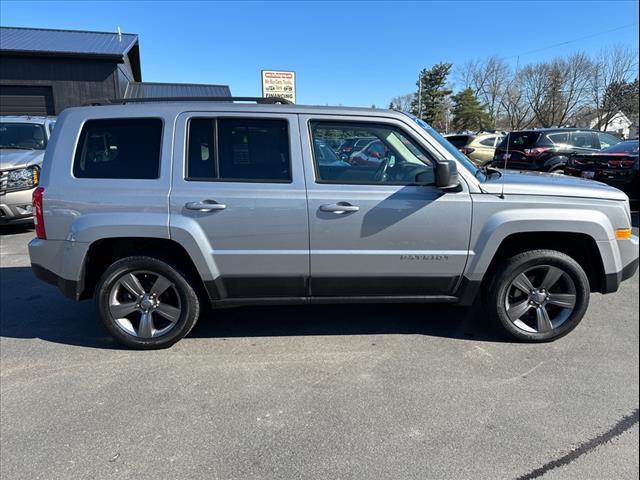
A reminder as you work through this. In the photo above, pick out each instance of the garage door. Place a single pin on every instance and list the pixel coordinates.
(20, 100)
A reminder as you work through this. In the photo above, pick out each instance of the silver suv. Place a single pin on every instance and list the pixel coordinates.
(158, 209)
(22, 144)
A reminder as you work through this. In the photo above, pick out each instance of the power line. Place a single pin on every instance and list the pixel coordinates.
(572, 41)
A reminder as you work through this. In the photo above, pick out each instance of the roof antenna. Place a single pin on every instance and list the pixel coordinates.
(119, 34)
(506, 153)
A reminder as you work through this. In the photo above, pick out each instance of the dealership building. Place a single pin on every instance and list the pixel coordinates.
(44, 71)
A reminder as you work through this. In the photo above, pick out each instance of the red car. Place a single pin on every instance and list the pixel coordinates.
(616, 166)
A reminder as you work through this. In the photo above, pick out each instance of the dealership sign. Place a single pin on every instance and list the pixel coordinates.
(277, 83)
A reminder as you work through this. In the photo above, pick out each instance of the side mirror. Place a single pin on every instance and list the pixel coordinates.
(447, 175)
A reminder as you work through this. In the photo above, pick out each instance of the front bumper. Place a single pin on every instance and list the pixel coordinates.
(630, 261)
(16, 206)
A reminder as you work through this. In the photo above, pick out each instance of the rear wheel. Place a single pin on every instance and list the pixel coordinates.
(146, 303)
(539, 296)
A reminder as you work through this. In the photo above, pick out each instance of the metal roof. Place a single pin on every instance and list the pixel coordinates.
(71, 42)
(155, 90)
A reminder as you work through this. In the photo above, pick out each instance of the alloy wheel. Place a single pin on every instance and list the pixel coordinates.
(144, 304)
(540, 299)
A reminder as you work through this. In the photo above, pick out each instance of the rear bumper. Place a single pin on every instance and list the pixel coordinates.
(68, 287)
(61, 263)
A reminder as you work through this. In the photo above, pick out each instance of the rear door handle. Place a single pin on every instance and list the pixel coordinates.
(340, 207)
(205, 206)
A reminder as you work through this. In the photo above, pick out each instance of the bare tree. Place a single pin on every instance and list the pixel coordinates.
(489, 80)
(612, 70)
(402, 103)
(556, 90)
(516, 110)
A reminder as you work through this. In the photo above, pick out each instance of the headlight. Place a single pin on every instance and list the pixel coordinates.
(23, 178)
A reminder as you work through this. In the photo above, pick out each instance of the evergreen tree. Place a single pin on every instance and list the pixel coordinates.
(429, 103)
(468, 113)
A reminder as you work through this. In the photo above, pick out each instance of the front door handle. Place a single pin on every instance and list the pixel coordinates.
(205, 206)
(340, 207)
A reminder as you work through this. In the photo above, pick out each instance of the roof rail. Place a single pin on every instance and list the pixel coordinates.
(123, 101)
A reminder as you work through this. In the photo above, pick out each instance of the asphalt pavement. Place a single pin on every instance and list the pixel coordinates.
(314, 392)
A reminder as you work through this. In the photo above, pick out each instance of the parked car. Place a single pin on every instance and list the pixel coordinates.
(156, 209)
(352, 145)
(616, 166)
(22, 144)
(547, 150)
(371, 155)
(327, 157)
(480, 148)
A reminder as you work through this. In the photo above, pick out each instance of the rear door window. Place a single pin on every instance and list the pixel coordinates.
(607, 140)
(238, 150)
(558, 138)
(126, 148)
(583, 140)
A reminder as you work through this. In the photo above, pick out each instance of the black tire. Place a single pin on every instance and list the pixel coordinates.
(189, 302)
(522, 262)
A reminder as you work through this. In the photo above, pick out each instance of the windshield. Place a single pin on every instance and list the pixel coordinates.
(623, 147)
(455, 153)
(27, 136)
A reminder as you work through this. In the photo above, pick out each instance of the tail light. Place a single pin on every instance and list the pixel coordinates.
(38, 208)
(467, 150)
(621, 163)
(534, 152)
(576, 161)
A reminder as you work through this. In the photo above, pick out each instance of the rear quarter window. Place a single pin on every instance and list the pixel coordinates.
(520, 140)
(123, 148)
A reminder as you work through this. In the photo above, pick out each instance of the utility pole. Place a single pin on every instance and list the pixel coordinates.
(420, 95)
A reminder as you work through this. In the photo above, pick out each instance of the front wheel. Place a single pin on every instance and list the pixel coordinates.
(539, 296)
(146, 303)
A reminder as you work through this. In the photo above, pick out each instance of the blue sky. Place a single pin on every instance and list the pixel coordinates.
(355, 53)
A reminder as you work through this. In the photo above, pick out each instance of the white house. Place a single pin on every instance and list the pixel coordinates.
(619, 125)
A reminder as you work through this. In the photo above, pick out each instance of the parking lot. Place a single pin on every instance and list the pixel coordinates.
(358, 391)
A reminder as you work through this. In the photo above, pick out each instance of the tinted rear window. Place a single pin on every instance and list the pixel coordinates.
(119, 148)
(459, 141)
(520, 140)
(238, 150)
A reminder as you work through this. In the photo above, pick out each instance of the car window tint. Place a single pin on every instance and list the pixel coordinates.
(607, 140)
(238, 150)
(390, 156)
(582, 140)
(557, 138)
(201, 162)
(253, 150)
(520, 140)
(459, 141)
(119, 148)
(488, 142)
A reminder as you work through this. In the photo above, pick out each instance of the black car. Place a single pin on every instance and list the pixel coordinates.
(616, 166)
(548, 150)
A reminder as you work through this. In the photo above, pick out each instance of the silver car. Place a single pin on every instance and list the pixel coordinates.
(22, 144)
(156, 209)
